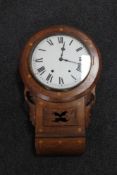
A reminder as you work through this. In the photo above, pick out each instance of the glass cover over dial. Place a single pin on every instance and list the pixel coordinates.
(60, 62)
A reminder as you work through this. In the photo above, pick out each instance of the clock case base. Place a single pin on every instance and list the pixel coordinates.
(60, 128)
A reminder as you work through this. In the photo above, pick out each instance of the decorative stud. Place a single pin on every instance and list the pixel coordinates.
(30, 44)
(58, 93)
(59, 141)
(40, 130)
(91, 45)
(79, 129)
(41, 103)
(79, 141)
(29, 76)
(40, 141)
(61, 29)
(86, 40)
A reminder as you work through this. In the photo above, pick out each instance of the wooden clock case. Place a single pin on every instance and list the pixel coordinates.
(60, 118)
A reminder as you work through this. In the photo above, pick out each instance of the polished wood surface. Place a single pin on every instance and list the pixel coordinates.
(60, 118)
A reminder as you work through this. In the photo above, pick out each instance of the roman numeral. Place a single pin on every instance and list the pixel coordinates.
(61, 80)
(79, 67)
(41, 70)
(60, 39)
(73, 77)
(42, 49)
(70, 42)
(80, 48)
(49, 77)
(50, 42)
(39, 60)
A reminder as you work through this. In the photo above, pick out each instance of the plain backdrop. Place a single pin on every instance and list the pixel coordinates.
(19, 20)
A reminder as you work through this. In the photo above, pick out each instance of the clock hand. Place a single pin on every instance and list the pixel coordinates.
(63, 49)
(69, 61)
(61, 57)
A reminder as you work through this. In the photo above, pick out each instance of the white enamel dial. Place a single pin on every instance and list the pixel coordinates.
(60, 62)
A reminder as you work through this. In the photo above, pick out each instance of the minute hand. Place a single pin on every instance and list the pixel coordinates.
(70, 61)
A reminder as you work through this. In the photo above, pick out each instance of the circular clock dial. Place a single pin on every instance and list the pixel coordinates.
(60, 62)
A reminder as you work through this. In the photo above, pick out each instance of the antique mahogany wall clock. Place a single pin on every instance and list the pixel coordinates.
(60, 67)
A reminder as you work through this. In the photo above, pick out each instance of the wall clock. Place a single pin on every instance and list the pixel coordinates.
(60, 67)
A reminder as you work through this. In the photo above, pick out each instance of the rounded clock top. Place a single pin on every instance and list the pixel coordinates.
(60, 62)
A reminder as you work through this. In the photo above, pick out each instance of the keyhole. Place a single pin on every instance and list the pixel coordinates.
(60, 117)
